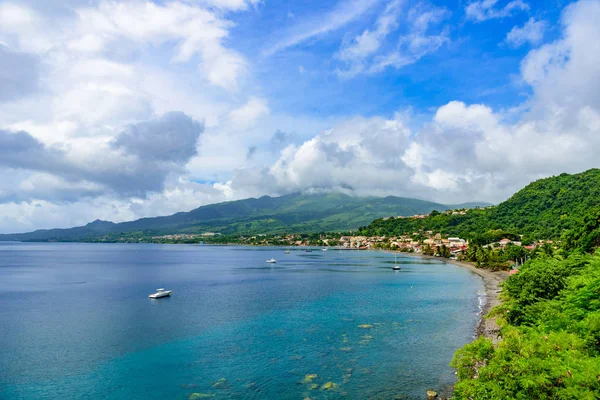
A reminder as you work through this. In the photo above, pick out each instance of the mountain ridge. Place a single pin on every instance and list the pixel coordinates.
(289, 213)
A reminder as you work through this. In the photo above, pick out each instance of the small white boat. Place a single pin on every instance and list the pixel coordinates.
(323, 249)
(271, 261)
(161, 292)
(287, 252)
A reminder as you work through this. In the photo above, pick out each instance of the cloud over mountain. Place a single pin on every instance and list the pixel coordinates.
(366, 103)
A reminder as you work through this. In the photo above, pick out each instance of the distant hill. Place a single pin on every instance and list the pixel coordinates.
(544, 209)
(297, 213)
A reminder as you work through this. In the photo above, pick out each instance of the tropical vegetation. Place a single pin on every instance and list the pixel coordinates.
(550, 331)
(544, 209)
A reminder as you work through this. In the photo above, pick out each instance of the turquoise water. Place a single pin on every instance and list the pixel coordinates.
(76, 323)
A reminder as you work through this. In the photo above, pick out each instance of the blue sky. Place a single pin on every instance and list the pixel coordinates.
(116, 109)
(475, 65)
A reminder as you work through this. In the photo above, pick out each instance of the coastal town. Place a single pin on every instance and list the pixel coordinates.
(504, 253)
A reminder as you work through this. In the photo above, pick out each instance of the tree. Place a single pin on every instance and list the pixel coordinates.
(514, 253)
(548, 249)
(551, 336)
(443, 251)
(427, 250)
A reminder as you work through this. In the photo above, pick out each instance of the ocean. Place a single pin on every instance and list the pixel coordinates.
(76, 322)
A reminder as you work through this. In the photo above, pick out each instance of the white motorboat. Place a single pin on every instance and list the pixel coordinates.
(271, 261)
(323, 249)
(161, 292)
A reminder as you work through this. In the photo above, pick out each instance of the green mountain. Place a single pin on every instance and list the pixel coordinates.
(291, 213)
(544, 209)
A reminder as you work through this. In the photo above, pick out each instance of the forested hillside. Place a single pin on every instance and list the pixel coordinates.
(544, 209)
(298, 213)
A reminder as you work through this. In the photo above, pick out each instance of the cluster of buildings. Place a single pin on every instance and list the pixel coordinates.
(423, 216)
(185, 236)
(406, 243)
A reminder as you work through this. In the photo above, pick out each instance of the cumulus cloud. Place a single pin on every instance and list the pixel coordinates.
(247, 114)
(466, 151)
(137, 162)
(171, 138)
(367, 53)
(361, 155)
(532, 32)
(86, 142)
(196, 31)
(483, 10)
(19, 150)
(281, 140)
(17, 215)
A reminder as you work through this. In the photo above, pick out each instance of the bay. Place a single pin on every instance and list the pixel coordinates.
(76, 322)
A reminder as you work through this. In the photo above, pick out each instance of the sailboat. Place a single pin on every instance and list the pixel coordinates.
(396, 267)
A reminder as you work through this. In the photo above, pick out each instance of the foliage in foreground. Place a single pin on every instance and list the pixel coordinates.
(551, 336)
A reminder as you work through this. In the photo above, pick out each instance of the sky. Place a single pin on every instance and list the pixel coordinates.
(117, 110)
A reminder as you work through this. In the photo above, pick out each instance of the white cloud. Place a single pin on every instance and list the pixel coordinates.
(179, 195)
(464, 152)
(88, 142)
(22, 28)
(369, 42)
(483, 10)
(344, 12)
(364, 53)
(194, 30)
(232, 5)
(532, 32)
(246, 115)
(198, 31)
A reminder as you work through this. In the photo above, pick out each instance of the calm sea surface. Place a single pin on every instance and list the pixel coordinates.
(76, 323)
